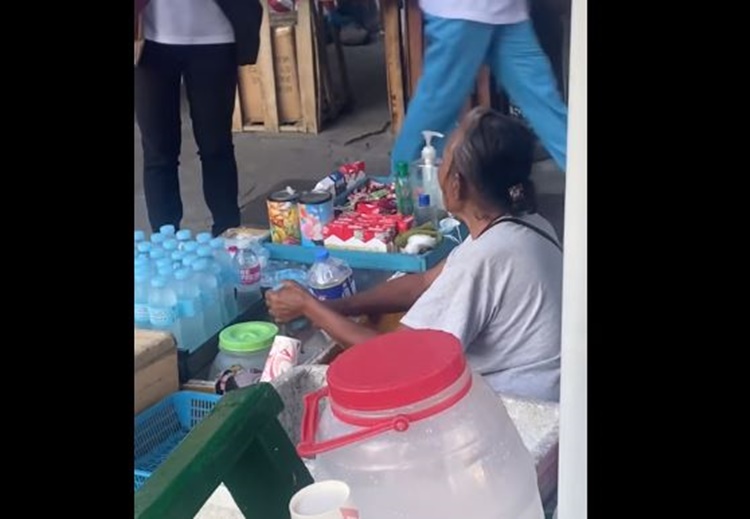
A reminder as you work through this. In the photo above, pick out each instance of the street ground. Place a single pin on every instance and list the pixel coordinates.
(270, 162)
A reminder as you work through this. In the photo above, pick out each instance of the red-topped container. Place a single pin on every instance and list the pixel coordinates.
(415, 433)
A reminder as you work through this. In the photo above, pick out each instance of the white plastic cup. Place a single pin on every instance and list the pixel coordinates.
(323, 500)
(282, 357)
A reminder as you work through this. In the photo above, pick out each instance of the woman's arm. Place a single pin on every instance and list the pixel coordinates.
(397, 295)
(342, 329)
(292, 301)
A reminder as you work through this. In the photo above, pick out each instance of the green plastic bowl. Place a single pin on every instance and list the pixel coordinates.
(250, 337)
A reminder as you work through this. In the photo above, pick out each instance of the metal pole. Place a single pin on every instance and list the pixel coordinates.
(573, 474)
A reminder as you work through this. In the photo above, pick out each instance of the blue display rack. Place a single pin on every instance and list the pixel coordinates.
(395, 262)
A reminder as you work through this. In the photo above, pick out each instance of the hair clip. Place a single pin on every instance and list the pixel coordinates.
(516, 192)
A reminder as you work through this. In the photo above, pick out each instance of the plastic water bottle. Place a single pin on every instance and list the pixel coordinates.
(183, 236)
(142, 264)
(164, 263)
(190, 309)
(162, 308)
(166, 272)
(144, 248)
(205, 252)
(191, 247)
(330, 278)
(228, 276)
(177, 257)
(189, 259)
(209, 287)
(170, 245)
(264, 256)
(158, 239)
(425, 213)
(141, 299)
(167, 230)
(155, 255)
(247, 267)
(204, 238)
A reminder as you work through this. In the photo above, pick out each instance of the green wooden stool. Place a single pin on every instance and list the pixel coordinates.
(241, 444)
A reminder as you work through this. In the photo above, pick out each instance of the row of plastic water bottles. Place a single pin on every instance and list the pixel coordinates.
(192, 288)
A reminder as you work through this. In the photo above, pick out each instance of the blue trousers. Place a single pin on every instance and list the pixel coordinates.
(456, 51)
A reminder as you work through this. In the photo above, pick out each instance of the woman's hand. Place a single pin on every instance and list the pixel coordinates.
(288, 302)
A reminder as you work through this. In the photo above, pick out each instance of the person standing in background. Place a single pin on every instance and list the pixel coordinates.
(200, 42)
(460, 38)
(549, 20)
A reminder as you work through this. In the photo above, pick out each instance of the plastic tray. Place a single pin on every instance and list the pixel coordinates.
(395, 262)
(160, 428)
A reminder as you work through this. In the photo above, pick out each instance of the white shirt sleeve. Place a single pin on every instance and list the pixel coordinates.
(460, 302)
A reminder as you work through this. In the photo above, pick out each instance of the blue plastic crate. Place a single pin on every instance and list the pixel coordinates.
(160, 428)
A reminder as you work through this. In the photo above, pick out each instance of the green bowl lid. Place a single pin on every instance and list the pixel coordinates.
(248, 337)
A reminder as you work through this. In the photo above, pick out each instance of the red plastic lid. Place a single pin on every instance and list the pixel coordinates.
(395, 370)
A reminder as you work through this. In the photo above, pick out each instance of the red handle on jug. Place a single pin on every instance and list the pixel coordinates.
(307, 446)
(311, 417)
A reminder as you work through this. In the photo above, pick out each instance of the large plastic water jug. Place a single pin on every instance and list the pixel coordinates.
(416, 434)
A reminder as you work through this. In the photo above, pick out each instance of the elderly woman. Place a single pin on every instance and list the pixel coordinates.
(499, 292)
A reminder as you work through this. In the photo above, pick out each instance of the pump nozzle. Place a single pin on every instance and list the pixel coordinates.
(428, 152)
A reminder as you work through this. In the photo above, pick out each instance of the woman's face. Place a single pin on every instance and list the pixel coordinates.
(447, 178)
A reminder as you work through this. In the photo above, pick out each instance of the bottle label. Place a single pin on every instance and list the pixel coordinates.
(187, 308)
(344, 289)
(163, 317)
(141, 313)
(250, 275)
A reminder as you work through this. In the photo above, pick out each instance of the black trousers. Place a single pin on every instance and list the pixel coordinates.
(210, 76)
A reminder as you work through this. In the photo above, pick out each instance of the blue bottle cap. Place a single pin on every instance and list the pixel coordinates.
(158, 282)
(204, 251)
(141, 276)
(189, 259)
(156, 254)
(141, 261)
(163, 262)
(139, 236)
(200, 264)
(204, 237)
(178, 255)
(191, 246)
(184, 234)
(321, 254)
(182, 274)
(217, 243)
(424, 200)
(144, 246)
(170, 245)
(158, 238)
(167, 230)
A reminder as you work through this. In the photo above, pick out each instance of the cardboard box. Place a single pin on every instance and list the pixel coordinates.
(155, 369)
(286, 77)
(251, 94)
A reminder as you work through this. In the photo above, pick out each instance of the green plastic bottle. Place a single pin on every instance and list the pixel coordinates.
(404, 202)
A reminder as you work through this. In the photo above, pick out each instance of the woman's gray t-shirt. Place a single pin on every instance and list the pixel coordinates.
(501, 296)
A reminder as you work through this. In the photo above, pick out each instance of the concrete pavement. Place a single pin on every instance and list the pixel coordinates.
(269, 162)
